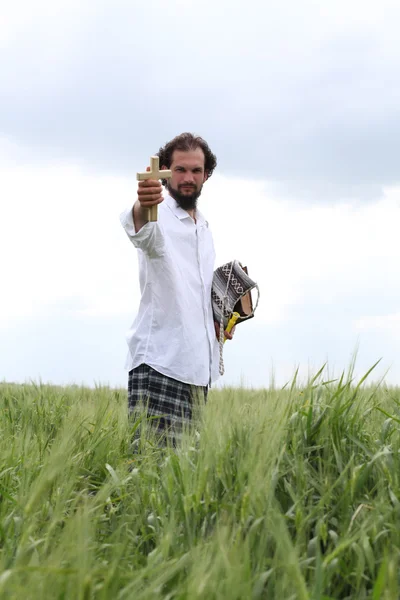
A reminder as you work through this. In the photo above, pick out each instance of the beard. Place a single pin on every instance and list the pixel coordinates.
(185, 201)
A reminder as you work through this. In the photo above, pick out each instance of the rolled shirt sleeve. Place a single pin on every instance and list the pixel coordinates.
(149, 239)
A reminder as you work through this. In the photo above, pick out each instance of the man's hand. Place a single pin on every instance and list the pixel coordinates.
(228, 336)
(149, 194)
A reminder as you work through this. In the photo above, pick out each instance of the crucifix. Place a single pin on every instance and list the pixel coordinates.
(154, 173)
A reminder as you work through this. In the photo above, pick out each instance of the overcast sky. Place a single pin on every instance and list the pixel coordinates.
(300, 101)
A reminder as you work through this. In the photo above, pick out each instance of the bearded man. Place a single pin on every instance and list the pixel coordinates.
(173, 349)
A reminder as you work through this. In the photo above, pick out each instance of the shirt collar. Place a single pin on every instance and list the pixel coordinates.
(183, 214)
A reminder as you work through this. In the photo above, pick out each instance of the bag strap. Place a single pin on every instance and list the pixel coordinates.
(221, 324)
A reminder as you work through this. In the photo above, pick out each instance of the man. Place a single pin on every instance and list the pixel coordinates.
(173, 348)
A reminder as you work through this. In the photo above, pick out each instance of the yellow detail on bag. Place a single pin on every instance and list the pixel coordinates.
(231, 323)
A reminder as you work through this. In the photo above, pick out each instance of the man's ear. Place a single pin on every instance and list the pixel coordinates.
(205, 176)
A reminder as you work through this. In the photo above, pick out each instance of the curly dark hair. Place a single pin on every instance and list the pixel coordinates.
(186, 142)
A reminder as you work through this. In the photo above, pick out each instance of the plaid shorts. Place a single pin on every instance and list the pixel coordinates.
(169, 403)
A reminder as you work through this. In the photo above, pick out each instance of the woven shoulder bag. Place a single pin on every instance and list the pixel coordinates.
(231, 293)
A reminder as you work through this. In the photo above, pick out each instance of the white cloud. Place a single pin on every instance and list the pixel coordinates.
(304, 93)
(66, 259)
(389, 324)
(61, 239)
(301, 251)
(301, 95)
(21, 20)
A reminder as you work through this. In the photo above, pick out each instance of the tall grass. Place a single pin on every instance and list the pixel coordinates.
(289, 494)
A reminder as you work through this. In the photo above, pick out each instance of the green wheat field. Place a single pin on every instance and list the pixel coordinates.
(289, 493)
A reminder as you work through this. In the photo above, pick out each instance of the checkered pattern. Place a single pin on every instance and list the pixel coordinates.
(169, 402)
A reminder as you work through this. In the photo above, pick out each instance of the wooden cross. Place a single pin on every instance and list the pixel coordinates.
(154, 173)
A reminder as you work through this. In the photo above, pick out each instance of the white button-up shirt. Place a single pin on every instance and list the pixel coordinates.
(174, 329)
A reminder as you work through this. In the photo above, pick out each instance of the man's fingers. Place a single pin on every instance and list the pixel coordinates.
(148, 203)
(149, 200)
(149, 194)
(228, 336)
(150, 183)
(151, 191)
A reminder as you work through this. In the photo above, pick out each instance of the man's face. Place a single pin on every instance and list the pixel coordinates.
(188, 176)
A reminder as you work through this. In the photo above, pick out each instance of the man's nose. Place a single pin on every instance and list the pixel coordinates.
(189, 177)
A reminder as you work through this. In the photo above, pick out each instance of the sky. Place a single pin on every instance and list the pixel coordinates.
(299, 100)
